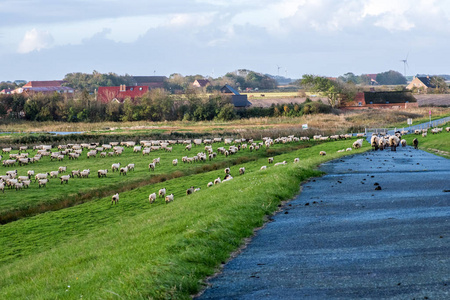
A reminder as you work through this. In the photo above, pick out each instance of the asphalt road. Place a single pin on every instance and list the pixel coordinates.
(342, 238)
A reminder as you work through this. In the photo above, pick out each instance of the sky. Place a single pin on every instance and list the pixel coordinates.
(47, 39)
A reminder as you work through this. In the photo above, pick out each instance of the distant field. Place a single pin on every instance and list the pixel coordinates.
(434, 143)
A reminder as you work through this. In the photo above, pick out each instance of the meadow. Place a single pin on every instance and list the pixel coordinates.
(434, 143)
(138, 250)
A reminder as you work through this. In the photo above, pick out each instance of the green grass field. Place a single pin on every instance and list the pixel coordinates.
(136, 250)
(434, 143)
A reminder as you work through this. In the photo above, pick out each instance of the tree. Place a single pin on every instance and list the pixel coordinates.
(439, 83)
(391, 78)
(333, 90)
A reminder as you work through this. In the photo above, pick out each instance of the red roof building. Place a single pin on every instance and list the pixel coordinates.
(107, 94)
(40, 84)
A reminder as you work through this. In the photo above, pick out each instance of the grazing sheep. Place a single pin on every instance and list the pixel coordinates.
(152, 198)
(54, 174)
(18, 186)
(227, 178)
(424, 134)
(123, 171)
(322, 153)
(130, 167)
(190, 190)
(217, 180)
(415, 143)
(349, 149)
(169, 198)
(374, 142)
(42, 182)
(102, 173)
(85, 173)
(115, 199)
(2, 186)
(227, 170)
(241, 171)
(162, 192)
(403, 142)
(358, 144)
(26, 183)
(76, 173)
(64, 178)
(296, 160)
(196, 190)
(263, 168)
(210, 184)
(151, 166)
(175, 162)
(270, 159)
(394, 141)
(157, 161)
(62, 169)
(40, 176)
(115, 167)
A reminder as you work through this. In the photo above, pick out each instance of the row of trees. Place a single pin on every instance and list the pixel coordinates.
(156, 105)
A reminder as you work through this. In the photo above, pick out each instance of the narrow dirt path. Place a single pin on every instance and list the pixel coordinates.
(377, 226)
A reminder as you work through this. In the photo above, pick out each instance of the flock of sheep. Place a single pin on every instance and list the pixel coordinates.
(13, 180)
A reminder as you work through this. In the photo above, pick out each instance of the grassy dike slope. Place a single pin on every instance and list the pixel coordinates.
(434, 143)
(135, 250)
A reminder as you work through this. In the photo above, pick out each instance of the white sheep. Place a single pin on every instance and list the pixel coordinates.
(102, 173)
(152, 198)
(296, 160)
(162, 192)
(358, 144)
(130, 167)
(403, 142)
(40, 176)
(115, 167)
(169, 198)
(322, 153)
(151, 166)
(62, 169)
(210, 184)
(175, 162)
(115, 198)
(217, 180)
(2, 186)
(54, 174)
(42, 182)
(263, 168)
(270, 159)
(84, 173)
(280, 163)
(227, 178)
(64, 178)
(196, 190)
(227, 170)
(241, 171)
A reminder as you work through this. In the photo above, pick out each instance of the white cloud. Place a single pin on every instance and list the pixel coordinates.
(35, 40)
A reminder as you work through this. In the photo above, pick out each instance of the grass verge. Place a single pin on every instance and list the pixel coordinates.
(135, 250)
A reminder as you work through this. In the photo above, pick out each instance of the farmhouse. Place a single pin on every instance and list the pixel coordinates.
(45, 87)
(201, 83)
(421, 83)
(386, 100)
(107, 94)
(239, 101)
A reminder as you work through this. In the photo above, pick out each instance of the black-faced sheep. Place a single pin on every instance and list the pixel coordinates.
(190, 190)
(322, 153)
(115, 199)
(415, 143)
(241, 171)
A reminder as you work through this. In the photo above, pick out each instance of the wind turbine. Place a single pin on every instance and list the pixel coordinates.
(279, 69)
(405, 64)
